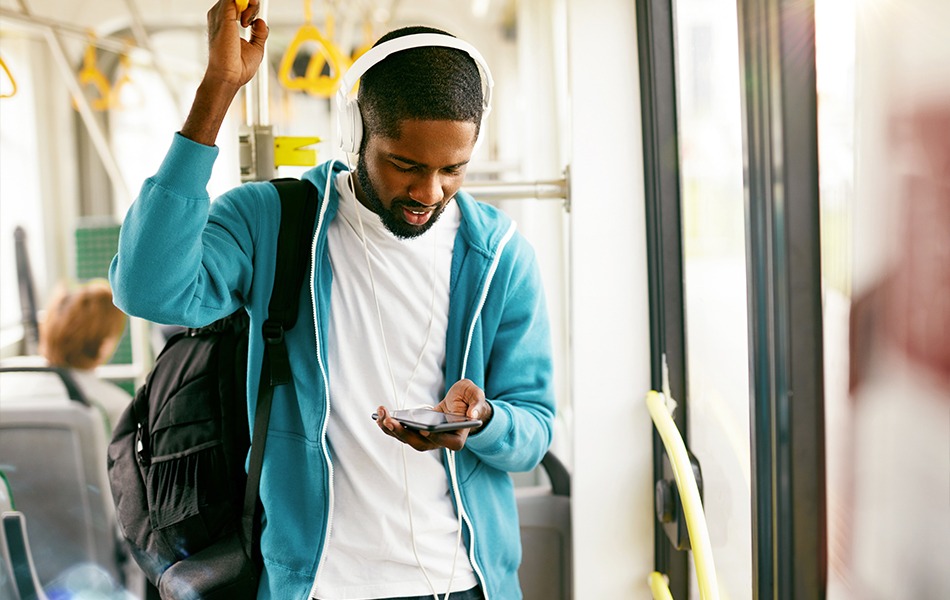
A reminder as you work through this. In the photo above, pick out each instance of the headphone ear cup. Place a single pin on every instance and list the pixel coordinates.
(351, 126)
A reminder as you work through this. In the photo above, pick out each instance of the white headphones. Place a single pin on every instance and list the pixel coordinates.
(350, 120)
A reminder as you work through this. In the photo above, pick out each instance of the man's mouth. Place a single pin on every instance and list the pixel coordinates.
(417, 216)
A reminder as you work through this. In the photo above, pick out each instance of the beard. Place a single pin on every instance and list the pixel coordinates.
(392, 217)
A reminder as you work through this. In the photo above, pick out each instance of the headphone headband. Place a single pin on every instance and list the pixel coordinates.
(350, 120)
(379, 53)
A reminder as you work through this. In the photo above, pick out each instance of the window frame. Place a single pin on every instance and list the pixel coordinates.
(777, 54)
(780, 157)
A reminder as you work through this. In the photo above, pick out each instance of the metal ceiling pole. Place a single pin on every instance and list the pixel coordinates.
(43, 24)
(144, 40)
(99, 141)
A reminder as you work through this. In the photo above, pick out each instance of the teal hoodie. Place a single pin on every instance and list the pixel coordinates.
(188, 261)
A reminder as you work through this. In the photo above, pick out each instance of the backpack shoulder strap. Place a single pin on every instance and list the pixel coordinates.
(298, 209)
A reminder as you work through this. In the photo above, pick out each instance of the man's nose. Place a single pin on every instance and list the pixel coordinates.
(427, 189)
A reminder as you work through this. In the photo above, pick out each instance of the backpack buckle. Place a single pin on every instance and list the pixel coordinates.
(273, 332)
(276, 353)
(141, 446)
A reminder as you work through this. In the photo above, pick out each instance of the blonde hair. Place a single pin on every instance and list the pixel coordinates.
(78, 322)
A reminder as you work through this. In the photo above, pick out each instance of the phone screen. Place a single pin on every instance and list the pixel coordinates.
(432, 420)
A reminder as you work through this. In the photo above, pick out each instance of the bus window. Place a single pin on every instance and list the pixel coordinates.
(146, 112)
(714, 274)
(21, 191)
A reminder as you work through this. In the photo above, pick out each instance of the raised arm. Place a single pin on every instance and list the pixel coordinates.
(178, 261)
(232, 62)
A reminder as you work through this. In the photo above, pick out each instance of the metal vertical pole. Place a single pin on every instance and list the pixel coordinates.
(257, 142)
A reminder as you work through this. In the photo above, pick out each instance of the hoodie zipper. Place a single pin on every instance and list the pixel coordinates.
(451, 455)
(326, 386)
(323, 373)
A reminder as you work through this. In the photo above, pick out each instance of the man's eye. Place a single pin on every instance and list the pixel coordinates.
(403, 169)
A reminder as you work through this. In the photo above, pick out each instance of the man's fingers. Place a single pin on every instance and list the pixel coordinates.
(453, 440)
(414, 439)
(259, 31)
(421, 441)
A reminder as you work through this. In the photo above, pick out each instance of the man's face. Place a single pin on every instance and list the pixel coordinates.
(409, 181)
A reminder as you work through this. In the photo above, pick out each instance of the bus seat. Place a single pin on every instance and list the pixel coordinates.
(7, 584)
(544, 511)
(6, 495)
(53, 452)
(19, 580)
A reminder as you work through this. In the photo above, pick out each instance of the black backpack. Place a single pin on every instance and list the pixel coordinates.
(177, 455)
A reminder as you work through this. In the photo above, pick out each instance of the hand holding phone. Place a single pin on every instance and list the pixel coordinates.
(427, 419)
(424, 430)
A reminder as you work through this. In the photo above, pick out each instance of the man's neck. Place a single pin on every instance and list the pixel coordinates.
(358, 190)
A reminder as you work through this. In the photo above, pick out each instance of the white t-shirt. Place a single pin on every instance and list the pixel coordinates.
(370, 549)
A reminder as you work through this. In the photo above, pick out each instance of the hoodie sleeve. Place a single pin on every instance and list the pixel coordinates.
(519, 371)
(182, 259)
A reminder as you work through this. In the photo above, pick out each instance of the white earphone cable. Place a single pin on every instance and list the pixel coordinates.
(400, 401)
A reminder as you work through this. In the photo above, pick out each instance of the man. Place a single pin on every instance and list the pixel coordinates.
(417, 295)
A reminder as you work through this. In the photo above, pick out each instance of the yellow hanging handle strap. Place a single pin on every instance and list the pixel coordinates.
(241, 5)
(6, 71)
(328, 54)
(689, 495)
(125, 66)
(91, 75)
(368, 41)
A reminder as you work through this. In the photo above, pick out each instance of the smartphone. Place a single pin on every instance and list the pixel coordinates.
(426, 419)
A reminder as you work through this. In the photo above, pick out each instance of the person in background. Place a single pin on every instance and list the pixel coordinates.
(80, 331)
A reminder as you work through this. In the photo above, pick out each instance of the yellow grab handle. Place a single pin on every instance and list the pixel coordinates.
(241, 5)
(368, 41)
(115, 95)
(326, 52)
(9, 75)
(91, 75)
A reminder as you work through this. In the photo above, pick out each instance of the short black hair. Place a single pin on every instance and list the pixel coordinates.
(426, 83)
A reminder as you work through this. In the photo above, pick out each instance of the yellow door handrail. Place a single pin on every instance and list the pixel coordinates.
(659, 586)
(689, 495)
(6, 71)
